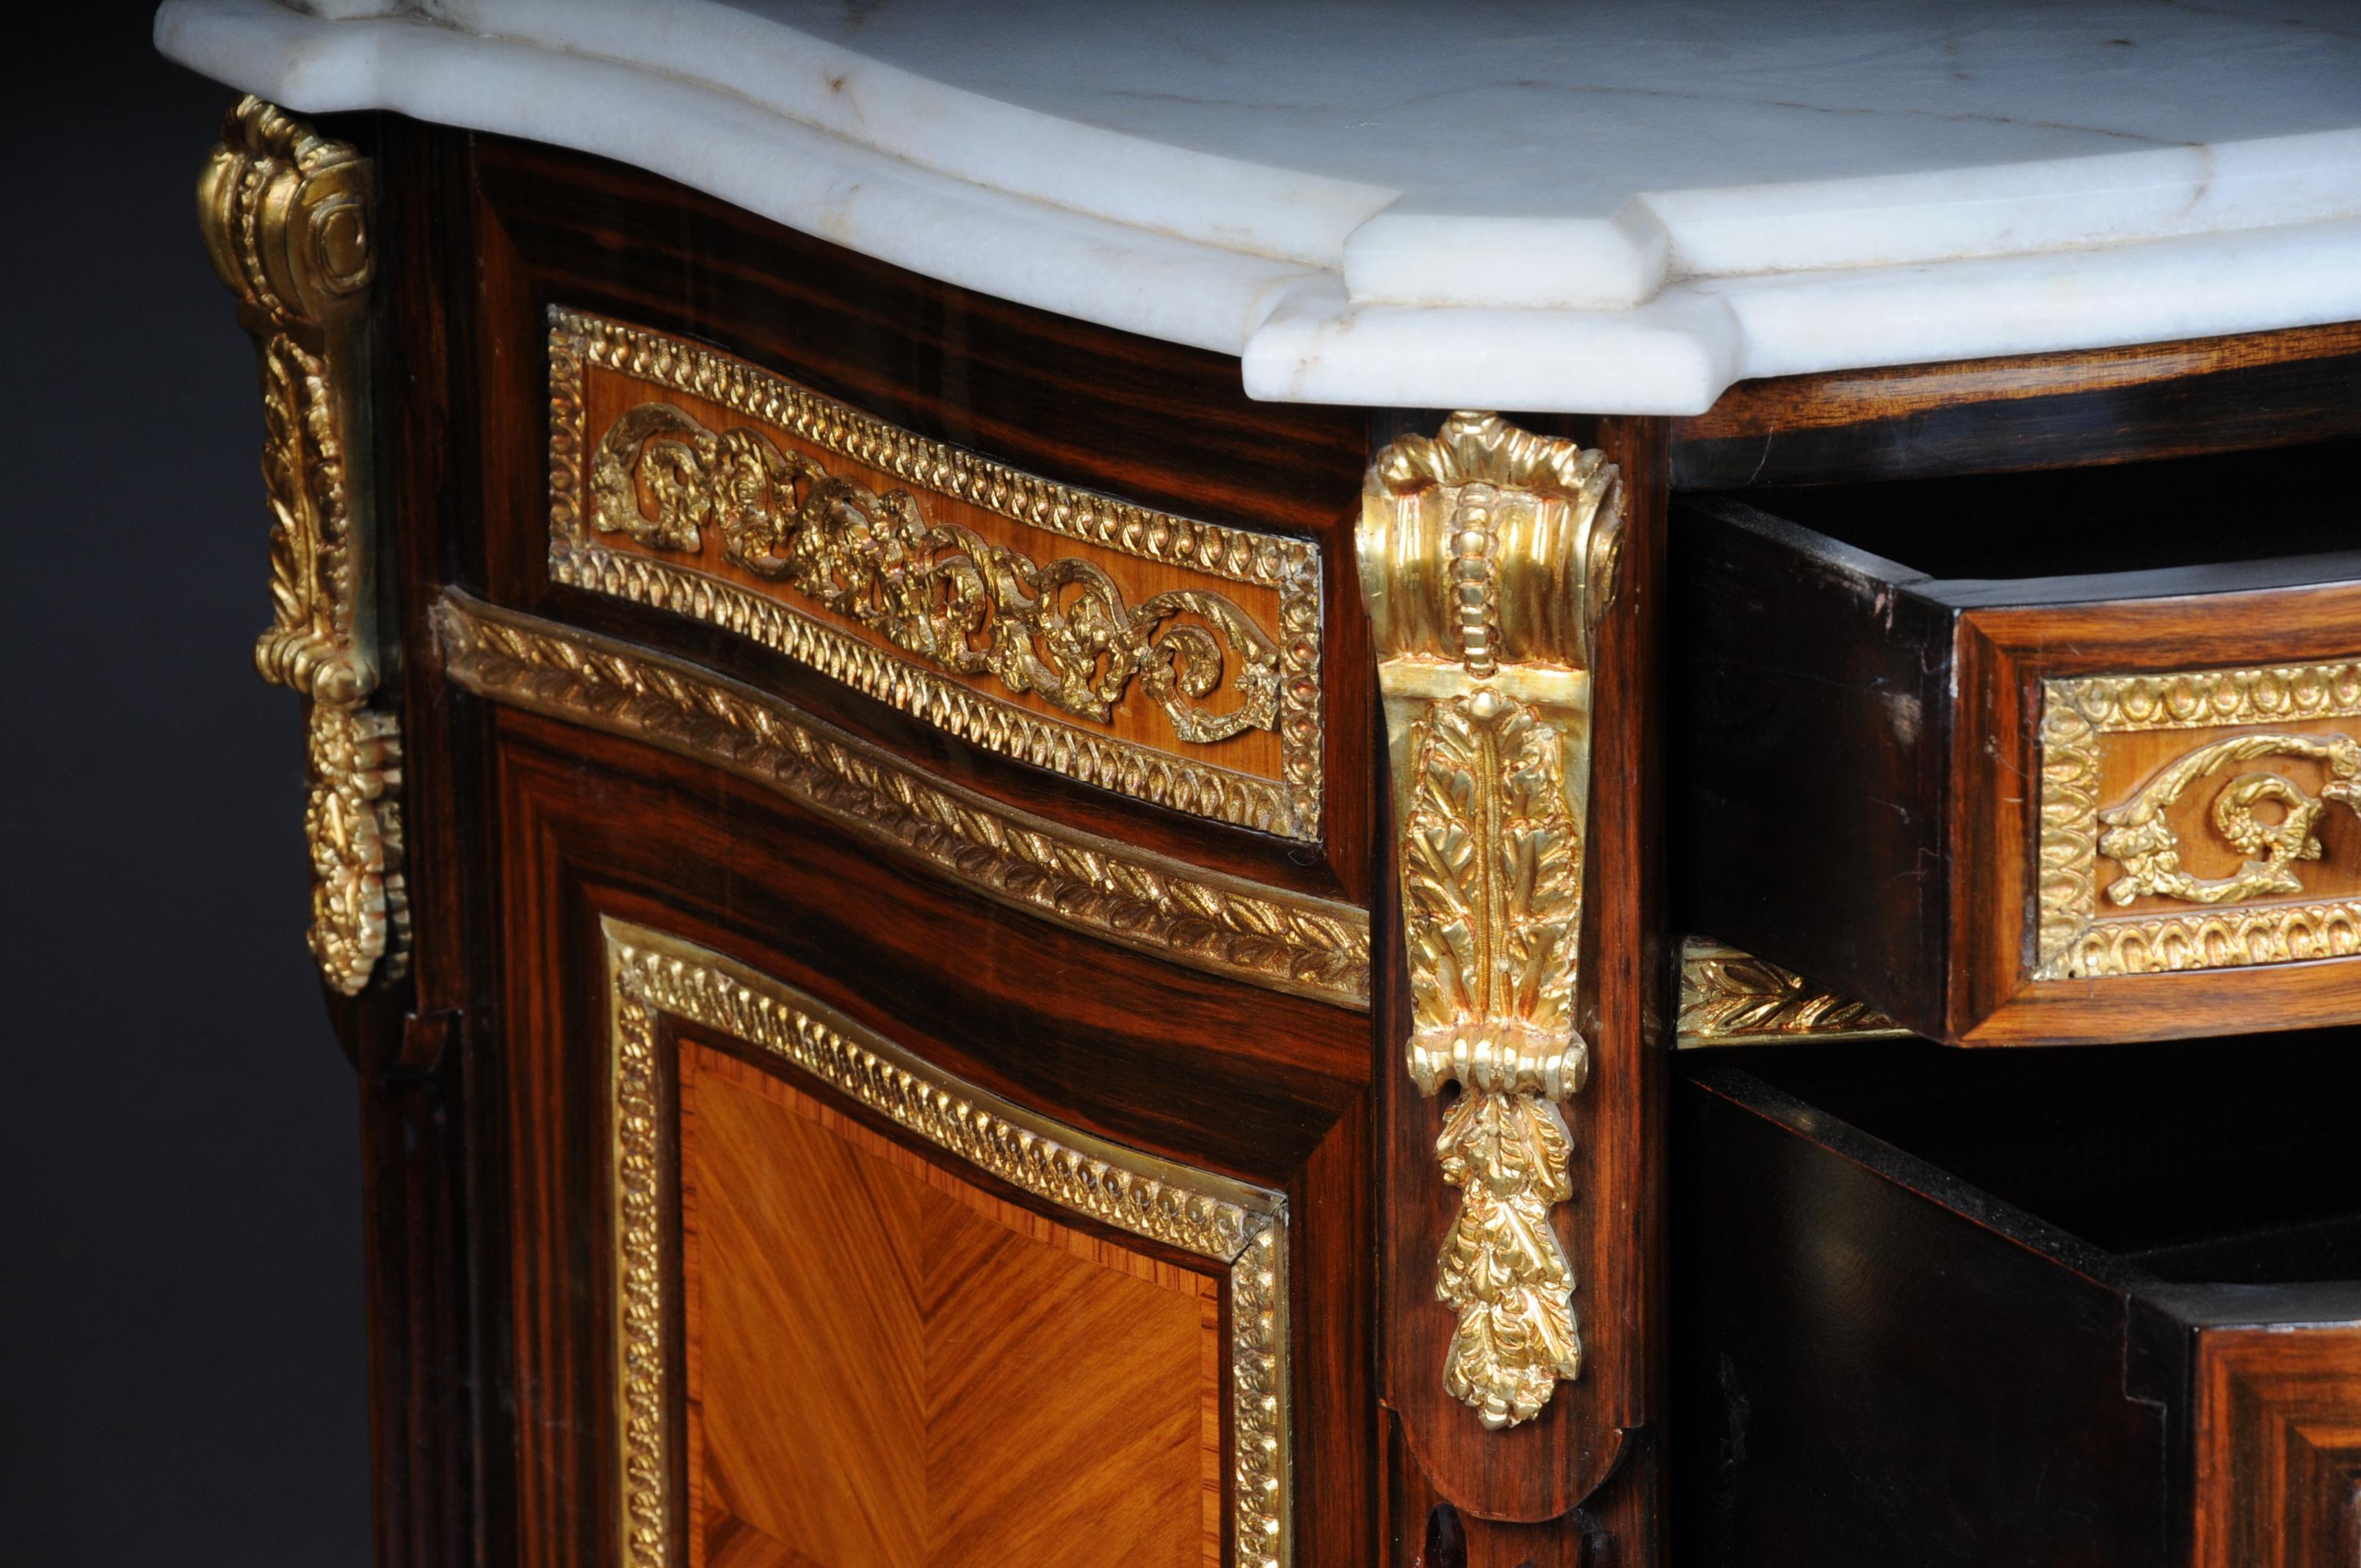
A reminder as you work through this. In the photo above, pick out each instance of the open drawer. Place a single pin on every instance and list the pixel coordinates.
(2083, 1306)
(2036, 758)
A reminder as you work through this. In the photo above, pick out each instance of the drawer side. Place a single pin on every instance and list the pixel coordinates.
(1810, 757)
(1881, 1366)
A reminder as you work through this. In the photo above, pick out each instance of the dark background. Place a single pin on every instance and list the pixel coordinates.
(182, 1373)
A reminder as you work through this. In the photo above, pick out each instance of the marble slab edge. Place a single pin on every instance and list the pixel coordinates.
(1296, 327)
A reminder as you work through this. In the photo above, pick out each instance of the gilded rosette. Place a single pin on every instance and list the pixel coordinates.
(285, 217)
(1487, 557)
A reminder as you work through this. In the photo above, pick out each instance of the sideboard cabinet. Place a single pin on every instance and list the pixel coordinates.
(1000, 897)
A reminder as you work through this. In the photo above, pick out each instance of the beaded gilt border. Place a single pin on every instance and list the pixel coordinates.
(1289, 805)
(2073, 940)
(651, 975)
(1225, 925)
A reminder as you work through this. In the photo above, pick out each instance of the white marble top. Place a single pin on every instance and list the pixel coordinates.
(1497, 204)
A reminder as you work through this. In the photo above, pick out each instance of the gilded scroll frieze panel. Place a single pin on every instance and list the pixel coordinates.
(1153, 655)
(2200, 819)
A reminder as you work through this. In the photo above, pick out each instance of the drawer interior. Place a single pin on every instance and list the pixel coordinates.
(2225, 1161)
(2191, 511)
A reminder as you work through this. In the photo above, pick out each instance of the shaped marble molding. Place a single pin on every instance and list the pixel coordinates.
(1566, 216)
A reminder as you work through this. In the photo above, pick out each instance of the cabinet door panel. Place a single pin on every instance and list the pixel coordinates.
(818, 1260)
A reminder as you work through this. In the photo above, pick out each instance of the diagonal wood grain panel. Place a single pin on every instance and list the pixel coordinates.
(804, 1311)
(729, 1541)
(888, 1365)
(1007, 1294)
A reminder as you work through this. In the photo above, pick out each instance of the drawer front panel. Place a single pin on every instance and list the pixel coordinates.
(1174, 661)
(2187, 858)
(2023, 810)
(2200, 819)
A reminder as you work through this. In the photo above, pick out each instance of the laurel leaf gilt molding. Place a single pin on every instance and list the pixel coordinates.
(285, 215)
(1730, 997)
(1487, 557)
(1227, 925)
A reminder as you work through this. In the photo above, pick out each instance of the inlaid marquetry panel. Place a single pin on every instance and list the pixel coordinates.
(999, 1340)
(888, 1366)
(2278, 1482)
(2200, 819)
(1162, 657)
